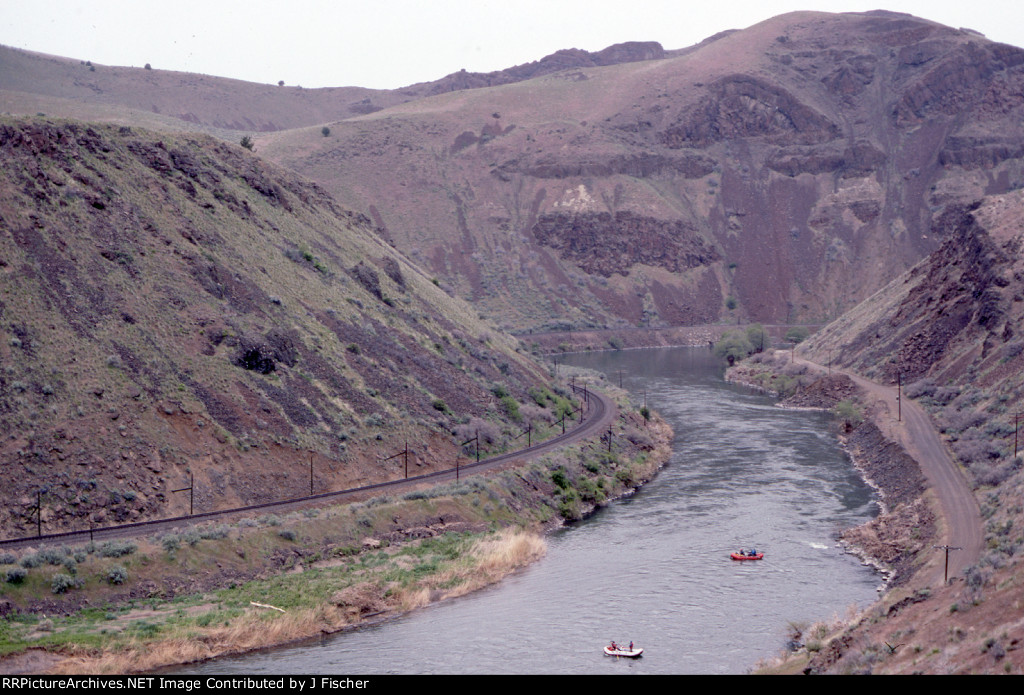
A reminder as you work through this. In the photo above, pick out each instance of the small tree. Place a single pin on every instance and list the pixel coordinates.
(849, 413)
(733, 346)
(246, 142)
(326, 131)
(756, 337)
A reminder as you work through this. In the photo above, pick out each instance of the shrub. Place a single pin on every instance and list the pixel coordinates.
(943, 395)
(797, 334)
(16, 575)
(757, 337)
(117, 575)
(62, 582)
(993, 474)
(734, 345)
(54, 556)
(973, 448)
(965, 420)
(117, 548)
(559, 478)
(540, 396)
(211, 533)
(287, 534)
(921, 388)
(477, 427)
(246, 142)
(511, 407)
(31, 560)
(325, 131)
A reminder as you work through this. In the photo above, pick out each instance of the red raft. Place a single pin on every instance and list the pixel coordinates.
(742, 556)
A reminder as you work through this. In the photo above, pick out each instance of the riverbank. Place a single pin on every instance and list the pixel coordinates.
(955, 626)
(263, 582)
(906, 525)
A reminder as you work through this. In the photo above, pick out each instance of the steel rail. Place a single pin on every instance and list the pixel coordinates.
(600, 412)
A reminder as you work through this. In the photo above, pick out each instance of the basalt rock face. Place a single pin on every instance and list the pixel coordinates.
(795, 165)
(955, 316)
(603, 244)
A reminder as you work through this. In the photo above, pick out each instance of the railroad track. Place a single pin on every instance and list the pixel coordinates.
(599, 413)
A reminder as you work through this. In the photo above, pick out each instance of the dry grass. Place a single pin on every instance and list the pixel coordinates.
(486, 561)
(503, 553)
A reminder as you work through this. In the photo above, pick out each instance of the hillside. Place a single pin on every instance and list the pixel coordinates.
(171, 306)
(949, 332)
(779, 173)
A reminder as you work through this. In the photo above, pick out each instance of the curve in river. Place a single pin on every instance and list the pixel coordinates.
(653, 568)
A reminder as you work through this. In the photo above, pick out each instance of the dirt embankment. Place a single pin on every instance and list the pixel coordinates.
(907, 525)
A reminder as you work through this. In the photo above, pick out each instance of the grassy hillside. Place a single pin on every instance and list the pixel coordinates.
(173, 306)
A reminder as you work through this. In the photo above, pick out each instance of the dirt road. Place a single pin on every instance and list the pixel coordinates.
(910, 425)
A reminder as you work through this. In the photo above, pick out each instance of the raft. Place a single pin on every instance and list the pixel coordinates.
(628, 653)
(738, 556)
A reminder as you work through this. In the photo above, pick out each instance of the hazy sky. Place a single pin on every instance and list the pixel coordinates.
(393, 43)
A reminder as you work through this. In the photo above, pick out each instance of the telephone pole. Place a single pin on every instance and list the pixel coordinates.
(191, 494)
(947, 548)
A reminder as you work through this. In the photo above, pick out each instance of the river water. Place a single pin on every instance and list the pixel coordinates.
(653, 568)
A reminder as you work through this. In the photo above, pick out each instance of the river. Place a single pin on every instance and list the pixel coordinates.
(653, 568)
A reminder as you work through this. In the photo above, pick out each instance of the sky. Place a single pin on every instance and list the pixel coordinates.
(385, 44)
